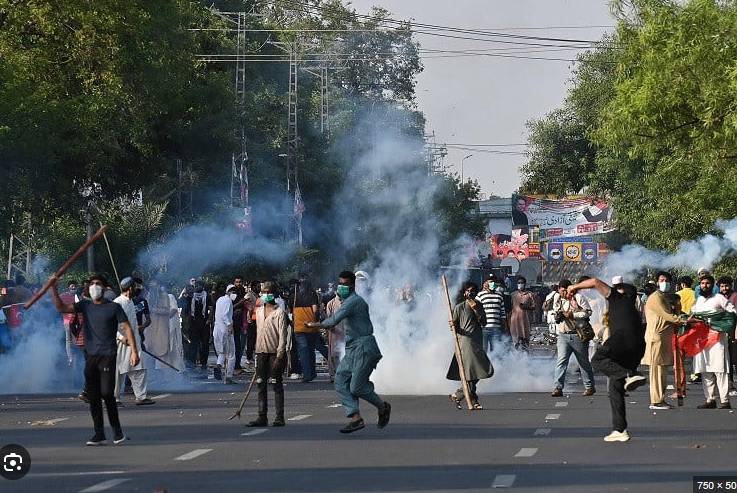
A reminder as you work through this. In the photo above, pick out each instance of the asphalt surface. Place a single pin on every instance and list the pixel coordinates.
(520, 441)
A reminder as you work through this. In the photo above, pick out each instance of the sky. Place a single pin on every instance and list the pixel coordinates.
(485, 99)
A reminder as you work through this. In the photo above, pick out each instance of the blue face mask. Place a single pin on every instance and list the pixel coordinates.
(267, 298)
(343, 291)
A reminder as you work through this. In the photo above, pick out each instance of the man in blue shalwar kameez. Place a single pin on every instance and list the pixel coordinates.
(361, 355)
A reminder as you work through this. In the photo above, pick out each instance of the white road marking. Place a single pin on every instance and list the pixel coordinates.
(254, 432)
(300, 417)
(162, 396)
(334, 405)
(194, 454)
(542, 432)
(552, 416)
(561, 404)
(526, 452)
(503, 480)
(48, 422)
(105, 485)
(71, 474)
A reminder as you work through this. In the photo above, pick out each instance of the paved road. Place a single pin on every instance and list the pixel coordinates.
(527, 442)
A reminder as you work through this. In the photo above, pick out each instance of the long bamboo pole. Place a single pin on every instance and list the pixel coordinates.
(65, 267)
(459, 358)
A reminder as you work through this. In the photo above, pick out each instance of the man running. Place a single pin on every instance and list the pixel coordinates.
(101, 320)
(361, 355)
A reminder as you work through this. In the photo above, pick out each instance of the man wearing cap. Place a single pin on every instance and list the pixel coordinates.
(222, 334)
(137, 373)
(619, 356)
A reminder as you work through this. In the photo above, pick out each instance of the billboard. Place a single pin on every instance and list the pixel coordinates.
(572, 216)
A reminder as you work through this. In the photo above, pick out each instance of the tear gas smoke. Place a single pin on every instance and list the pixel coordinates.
(692, 254)
(393, 206)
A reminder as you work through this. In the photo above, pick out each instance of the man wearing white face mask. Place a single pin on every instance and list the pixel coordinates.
(222, 334)
(658, 339)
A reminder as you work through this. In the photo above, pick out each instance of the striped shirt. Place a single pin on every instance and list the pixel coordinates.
(493, 304)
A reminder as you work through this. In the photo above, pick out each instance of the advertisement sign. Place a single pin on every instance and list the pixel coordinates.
(555, 252)
(572, 216)
(589, 252)
(571, 252)
(505, 246)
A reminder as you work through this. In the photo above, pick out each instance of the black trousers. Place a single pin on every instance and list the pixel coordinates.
(200, 337)
(237, 334)
(99, 375)
(251, 340)
(265, 370)
(294, 364)
(616, 373)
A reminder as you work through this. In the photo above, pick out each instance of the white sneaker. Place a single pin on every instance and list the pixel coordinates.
(295, 376)
(634, 381)
(617, 436)
(733, 392)
(661, 406)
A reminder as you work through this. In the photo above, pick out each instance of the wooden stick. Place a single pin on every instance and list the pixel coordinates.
(65, 267)
(459, 359)
(110, 253)
(243, 402)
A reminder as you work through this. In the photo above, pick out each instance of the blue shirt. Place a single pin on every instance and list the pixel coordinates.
(354, 313)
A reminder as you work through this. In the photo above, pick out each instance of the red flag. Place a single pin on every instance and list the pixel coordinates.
(698, 338)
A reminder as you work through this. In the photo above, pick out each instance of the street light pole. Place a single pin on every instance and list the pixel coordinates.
(462, 161)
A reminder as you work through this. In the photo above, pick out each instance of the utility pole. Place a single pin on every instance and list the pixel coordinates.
(20, 252)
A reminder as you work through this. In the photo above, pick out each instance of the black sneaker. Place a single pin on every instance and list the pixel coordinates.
(145, 402)
(96, 441)
(725, 405)
(217, 373)
(707, 405)
(384, 415)
(258, 423)
(119, 437)
(353, 426)
(83, 397)
(278, 422)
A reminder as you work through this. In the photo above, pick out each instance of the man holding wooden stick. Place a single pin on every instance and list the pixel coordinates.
(102, 318)
(468, 320)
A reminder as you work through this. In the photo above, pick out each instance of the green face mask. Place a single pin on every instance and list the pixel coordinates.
(267, 298)
(343, 291)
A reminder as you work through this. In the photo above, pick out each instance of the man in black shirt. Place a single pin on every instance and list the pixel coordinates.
(101, 320)
(620, 355)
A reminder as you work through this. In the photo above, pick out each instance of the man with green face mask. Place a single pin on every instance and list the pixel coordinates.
(361, 355)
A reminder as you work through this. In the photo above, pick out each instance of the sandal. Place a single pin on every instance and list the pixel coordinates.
(455, 401)
(477, 406)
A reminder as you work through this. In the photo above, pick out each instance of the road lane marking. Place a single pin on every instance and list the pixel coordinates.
(300, 417)
(48, 422)
(542, 432)
(162, 396)
(254, 432)
(194, 454)
(72, 474)
(552, 416)
(526, 452)
(334, 405)
(561, 404)
(105, 485)
(504, 480)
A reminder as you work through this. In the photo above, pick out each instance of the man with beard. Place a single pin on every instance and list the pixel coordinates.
(251, 300)
(238, 312)
(469, 319)
(725, 288)
(352, 379)
(713, 361)
(102, 319)
(619, 356)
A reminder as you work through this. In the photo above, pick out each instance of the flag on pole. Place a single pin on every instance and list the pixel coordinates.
(299, 205)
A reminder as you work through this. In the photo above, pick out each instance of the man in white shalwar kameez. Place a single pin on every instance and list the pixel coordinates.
(222, 334)
(137, 374)
(713, 362)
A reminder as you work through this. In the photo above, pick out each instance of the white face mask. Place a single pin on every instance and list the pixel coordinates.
(664, 286)
(233, 296)
(521, 286)
(96, 291)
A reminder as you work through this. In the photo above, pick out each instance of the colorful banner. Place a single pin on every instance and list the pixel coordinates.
(555, 252)
(506, 246)
(589, 252)
(569, 216)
